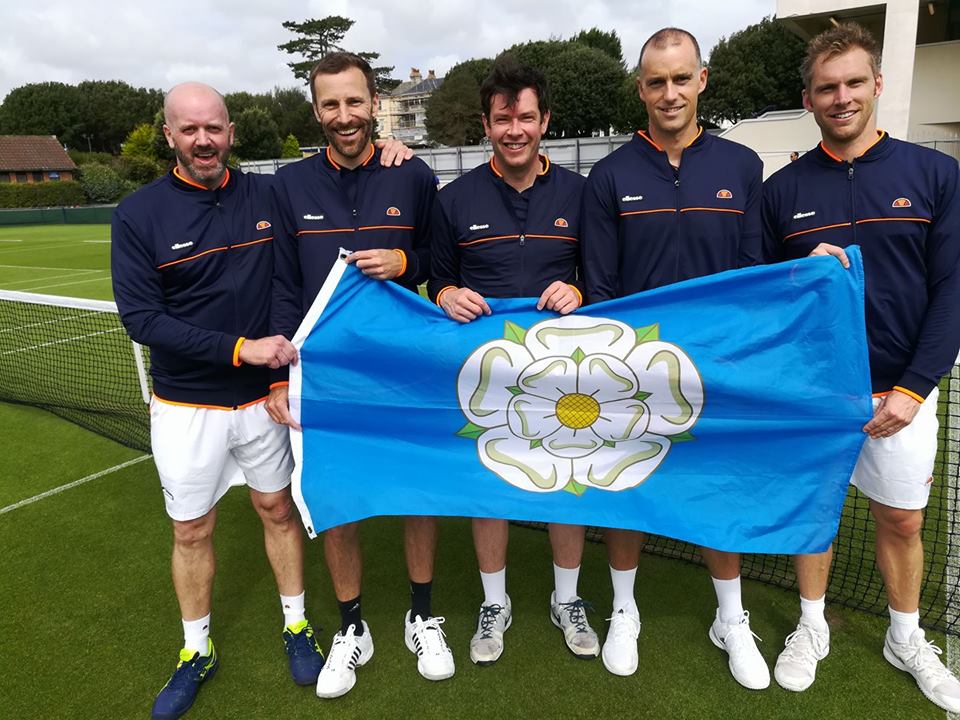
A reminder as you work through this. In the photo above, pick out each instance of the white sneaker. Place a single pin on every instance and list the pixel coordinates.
(347, 653)
(486, 645)
(746, 663)
(571, 618)
(919, 658)
(796, 667)
(619, 653)
(425, 639)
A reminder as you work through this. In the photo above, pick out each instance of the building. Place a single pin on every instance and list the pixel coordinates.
(402, 113)
(34, 158)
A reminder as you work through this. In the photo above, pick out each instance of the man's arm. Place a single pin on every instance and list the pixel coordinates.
(600, 223)
(751, 237)
(459, 303)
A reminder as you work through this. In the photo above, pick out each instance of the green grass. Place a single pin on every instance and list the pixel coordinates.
(90, 625)
(70, 260)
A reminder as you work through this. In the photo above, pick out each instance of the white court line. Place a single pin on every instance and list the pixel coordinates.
(9, 285)
(48, 267)
(33, 247)
(75, 282)
(49, 322)
(96, 241)
(9, 240)
(75, 483)
(60, 342)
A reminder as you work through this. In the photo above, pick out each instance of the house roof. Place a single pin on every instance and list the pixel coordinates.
(417, 87)
(33, 152)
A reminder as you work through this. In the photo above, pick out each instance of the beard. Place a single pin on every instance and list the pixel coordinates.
(356, 144)
(203, 175)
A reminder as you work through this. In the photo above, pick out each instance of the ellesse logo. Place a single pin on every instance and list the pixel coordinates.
(724, 194)
(560, 222)
(902, 202)
(263, 225)
(393, 212)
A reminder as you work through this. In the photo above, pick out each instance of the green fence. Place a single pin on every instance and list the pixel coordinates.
(57, 216)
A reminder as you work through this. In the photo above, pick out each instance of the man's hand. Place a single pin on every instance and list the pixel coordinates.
(894, 413)
(275, 351)
(463, 304)
(393, 152)
(560, 297)
(278, 407)
(377, 264)
(827, 249)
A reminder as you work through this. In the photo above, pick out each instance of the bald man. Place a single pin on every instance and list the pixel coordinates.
(192, 264)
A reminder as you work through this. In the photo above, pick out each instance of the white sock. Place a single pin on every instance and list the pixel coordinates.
(196, 635)
(565, 583)
(903, 625)
(293, 611)
(812, 611)
(494, 587)
(728, 600)
(623, 581)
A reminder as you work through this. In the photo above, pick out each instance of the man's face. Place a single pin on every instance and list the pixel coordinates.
(199, 131)
(346, 111)
(842, 95)
(515, 130)
(670, 82)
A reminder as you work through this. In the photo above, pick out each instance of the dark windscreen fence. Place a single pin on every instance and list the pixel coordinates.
(73, 357)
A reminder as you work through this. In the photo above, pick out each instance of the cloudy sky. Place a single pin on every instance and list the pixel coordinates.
(232, 45)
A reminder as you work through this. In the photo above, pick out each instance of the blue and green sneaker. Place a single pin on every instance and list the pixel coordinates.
(306, 657)
(178, 694)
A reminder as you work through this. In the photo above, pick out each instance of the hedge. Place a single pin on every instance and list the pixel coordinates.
(45, 194)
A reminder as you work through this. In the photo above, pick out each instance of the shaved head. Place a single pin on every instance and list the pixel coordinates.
(191, 93)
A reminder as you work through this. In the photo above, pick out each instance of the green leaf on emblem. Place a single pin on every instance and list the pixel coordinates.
(513, 332)
(470, 431)
(685, 436)
(535, 444)
(575, 488)
(641, 395)
(648, 333)
(609, 443)
(514, 390)
(578, 356)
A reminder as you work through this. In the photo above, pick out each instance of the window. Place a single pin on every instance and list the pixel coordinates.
(21, 177)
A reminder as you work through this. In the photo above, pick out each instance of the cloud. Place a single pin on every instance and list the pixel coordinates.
(234, 46)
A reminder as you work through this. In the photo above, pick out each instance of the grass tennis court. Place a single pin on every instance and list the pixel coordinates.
(90, 626)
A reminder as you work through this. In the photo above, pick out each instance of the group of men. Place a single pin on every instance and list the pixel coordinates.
(215, 270)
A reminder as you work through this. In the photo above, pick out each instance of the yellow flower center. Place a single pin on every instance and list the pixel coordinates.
(578, 411)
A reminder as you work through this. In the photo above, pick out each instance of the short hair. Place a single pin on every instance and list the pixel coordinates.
(509, 78)
(336, 63)
(836, 41)
(670, 36)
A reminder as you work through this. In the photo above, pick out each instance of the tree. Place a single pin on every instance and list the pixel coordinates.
(318, 38)
(631, 113)
(291, 147)
(101, 183)
(453, 110)
(162, 149)
(753, 69)
(537, 53)
(293, 113)
(141, 142)
(583, 80)
(256, 135)
(608, 42)
(49, 108)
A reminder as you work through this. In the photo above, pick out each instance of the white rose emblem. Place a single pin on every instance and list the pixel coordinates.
(578, 402)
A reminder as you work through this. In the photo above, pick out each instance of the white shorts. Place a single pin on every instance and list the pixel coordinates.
(200, 451)
(898, 470)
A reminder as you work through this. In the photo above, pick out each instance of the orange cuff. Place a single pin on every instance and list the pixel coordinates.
(909, 393)
(403, 261)
(579, 295)
(282, 383)
(237, 362)
(440, 294)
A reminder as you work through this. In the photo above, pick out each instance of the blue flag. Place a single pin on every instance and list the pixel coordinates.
(725, 410)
